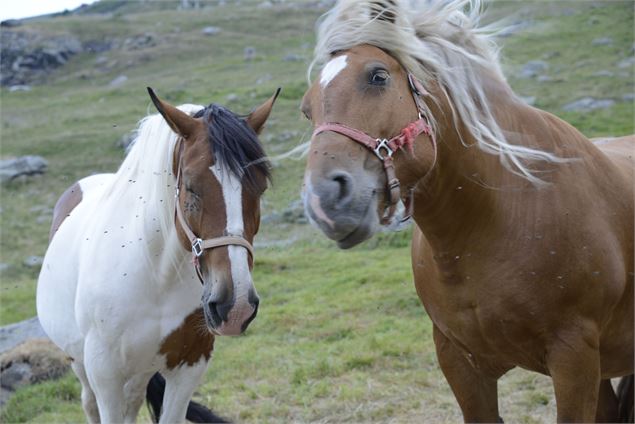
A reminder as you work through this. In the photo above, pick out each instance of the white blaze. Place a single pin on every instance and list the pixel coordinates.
(238, 256)
(331, 70)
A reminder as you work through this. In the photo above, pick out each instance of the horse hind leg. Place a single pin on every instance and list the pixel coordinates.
(625, 394)
(89, 402)
(607, 404)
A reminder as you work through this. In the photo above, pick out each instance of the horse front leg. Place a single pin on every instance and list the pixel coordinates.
(135, 391)
(180, 385)
(573, 361)
(89, 402)
(104, 376)
(476, 393)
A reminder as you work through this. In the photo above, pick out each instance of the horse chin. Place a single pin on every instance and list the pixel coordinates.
(367, 228)
(359, 235)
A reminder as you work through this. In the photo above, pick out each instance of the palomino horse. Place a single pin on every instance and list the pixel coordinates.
(147, 265)
(523, 245)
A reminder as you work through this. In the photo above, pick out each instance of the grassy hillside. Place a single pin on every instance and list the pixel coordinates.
(341, 336)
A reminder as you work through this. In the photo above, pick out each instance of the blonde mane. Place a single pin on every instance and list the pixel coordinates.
(440, 41)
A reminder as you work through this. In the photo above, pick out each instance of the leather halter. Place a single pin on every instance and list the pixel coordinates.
(199, 246)
(385, 148)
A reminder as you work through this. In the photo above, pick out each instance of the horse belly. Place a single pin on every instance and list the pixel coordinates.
(57, 282)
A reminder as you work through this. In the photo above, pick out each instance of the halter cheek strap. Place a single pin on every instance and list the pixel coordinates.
(385, 148)
(199, 246)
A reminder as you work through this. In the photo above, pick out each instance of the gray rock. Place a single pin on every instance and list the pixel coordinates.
(628, 97)
(602, 41)
(250, 53)
(211, 30)
(29, 56)
(263, 79)
(587, 104)
(232, 97)
(292, 57)
(544, 78)
(294, 213)
(551, 55)
(19, 87)
(11, 169)
(140, 41)
(533, 68)
(118, 82)
(101, 60)
(4, 267)
(603, 73)
(10, 23)
(14, 334)
(627, 63)
(33, 261)
(16, 375)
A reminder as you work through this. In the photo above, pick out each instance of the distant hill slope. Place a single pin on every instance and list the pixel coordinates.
(573, 58)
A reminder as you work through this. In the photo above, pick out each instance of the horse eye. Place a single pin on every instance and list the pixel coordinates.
(379, 77)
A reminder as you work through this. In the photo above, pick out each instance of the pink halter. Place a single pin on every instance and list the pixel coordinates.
(384, 148)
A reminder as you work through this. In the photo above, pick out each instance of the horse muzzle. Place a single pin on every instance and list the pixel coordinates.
(230, 317)
(341, 210)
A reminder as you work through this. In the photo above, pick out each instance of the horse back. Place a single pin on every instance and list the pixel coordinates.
(620, 150)
(65, 204)
(73, 197)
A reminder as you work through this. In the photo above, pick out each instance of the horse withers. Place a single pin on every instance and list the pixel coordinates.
(146, 266)
(522, 248)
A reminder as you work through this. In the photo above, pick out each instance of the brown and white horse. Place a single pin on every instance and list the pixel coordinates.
(522, 250)
(147, 265)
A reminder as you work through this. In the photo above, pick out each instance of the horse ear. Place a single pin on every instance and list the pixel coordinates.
(180, 122)
(256, 119)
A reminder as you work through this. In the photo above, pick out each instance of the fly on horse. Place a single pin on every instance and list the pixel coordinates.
(522, 249)
(146, 266)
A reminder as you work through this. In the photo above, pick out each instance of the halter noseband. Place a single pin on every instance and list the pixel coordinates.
(385, 148)
(199, 246)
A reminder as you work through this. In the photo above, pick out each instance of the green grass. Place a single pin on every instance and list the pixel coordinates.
(340, 336)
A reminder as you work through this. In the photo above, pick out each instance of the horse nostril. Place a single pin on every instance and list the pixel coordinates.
(344, 183)
(254, 300)
(219, 312)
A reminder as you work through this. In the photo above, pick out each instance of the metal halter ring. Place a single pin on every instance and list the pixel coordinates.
(197, 247)
(383, 144)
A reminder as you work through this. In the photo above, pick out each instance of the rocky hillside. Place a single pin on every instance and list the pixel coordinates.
(340, 336)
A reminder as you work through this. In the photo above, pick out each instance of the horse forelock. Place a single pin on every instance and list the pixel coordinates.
(235, 144)
(441, 42)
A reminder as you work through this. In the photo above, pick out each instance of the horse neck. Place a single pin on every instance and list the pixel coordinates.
(463, 191)
(150, 209)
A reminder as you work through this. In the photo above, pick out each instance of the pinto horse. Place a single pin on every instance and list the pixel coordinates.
(522, 249)
(146, 266)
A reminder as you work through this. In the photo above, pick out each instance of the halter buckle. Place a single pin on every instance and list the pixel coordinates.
(197, 247)
(383, 145)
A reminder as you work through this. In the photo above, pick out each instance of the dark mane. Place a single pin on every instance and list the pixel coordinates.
(236, 144)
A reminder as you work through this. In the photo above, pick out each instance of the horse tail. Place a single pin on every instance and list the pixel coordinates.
(196, 413)
(625, 396)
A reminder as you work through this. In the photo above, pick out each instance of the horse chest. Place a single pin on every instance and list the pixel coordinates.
(188, 343)
(494, 326)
